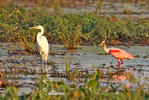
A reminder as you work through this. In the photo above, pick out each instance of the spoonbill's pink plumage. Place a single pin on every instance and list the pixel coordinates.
(120, 54)
(117, 53)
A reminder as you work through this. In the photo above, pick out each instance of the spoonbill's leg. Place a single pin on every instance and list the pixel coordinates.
(118, 65)
(121, 61)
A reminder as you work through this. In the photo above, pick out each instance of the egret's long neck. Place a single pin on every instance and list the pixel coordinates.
(39, 35)
(106, 49)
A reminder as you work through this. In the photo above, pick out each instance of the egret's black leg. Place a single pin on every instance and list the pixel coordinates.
(44, 65)
(40, 60)
(41, 63)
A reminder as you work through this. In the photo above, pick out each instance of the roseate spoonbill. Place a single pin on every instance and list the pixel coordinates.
(117, 53)
(42, 43)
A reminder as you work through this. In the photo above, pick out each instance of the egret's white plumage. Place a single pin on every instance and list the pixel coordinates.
(42, 43)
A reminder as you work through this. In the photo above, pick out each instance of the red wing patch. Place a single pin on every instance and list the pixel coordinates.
(114, 51)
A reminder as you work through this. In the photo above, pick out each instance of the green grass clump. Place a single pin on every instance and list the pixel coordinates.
(72, 40)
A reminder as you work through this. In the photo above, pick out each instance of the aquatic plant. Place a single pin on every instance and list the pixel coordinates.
(10, 19)
(27, 40)
(11, 94)
(72, 39)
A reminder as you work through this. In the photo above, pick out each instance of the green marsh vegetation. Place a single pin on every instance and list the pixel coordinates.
(69, 29)
(90, 89)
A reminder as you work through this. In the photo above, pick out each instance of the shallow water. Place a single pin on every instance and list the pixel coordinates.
(25, 68)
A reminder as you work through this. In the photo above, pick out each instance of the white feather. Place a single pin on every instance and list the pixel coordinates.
(43, 43)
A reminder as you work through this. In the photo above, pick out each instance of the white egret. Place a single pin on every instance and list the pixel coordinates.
(43, 43)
